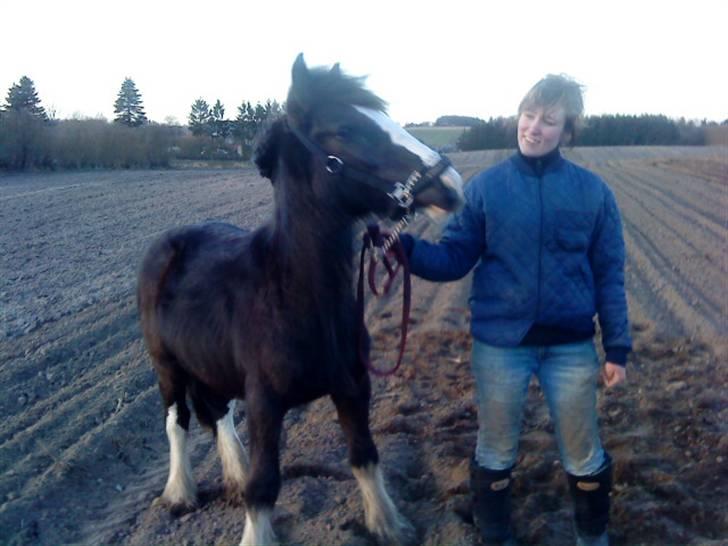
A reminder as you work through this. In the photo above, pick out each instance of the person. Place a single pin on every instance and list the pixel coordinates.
(547, 239)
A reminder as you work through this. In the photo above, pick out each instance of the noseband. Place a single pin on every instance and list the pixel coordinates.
(403, 194)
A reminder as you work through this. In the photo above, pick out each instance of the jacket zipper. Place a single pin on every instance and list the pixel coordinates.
(540, 244)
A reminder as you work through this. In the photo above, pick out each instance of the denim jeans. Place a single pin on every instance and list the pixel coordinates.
(568, 377)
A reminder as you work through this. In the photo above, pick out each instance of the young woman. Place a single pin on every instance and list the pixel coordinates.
(547, 239)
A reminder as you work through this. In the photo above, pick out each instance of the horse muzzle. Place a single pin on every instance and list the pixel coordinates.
(439, 202)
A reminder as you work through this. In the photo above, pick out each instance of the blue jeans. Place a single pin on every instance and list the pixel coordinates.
(568, 377)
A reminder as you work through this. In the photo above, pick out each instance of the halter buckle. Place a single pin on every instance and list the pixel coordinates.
(402, 195)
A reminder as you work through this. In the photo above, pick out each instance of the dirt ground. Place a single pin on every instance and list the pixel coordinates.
(83, 451)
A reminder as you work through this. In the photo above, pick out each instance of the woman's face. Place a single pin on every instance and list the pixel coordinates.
(540, 129)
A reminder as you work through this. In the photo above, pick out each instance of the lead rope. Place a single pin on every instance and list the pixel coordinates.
(373, 240)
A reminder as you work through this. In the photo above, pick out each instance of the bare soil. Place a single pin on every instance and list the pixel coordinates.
(83, 451)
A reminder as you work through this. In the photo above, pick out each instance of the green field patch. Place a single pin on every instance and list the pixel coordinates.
(438, 137)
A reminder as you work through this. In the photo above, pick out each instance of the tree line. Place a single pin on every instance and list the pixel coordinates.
(603, 130)
(31, 137)
(220, 138)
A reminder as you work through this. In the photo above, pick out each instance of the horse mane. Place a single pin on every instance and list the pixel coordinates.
(265, 149)
(324, 87)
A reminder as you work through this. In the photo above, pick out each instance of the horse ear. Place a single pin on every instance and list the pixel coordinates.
(336, 70)
(299, 73)
(265, 154)
(296, 103)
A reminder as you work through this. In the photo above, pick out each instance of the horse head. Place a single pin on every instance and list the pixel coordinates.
(353, 153)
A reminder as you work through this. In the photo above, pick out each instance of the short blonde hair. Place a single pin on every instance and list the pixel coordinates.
(561, 90)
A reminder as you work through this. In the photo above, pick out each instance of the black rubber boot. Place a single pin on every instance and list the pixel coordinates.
(591, 504)
(491, 504)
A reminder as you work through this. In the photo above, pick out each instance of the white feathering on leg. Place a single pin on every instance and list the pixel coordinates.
(258, 529)
(232, 453)
(382, 517)
(180, 489)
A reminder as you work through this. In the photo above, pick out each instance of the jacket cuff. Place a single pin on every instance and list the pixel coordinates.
(617, 355)
(408, 243)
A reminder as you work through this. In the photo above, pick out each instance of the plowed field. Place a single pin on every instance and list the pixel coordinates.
(83, 451)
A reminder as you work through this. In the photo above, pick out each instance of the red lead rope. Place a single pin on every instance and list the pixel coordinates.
(373, 239)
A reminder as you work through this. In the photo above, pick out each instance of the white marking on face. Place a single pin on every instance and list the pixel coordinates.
(400, 137)
(452, 179)
(258, 529)
(180, 488)
(232, 453)
(382, 517)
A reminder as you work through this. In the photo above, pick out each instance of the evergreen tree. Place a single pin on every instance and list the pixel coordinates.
(272, 109)
(244, 127)
(260, 115)
(219, 127)
(199, 118)
(249, 120)
(22, 97)
(128, 106)
(496, 133)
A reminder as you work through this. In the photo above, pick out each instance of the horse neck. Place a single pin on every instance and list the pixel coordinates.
(314, 239)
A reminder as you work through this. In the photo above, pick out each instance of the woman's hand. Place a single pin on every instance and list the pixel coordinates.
(613, 374)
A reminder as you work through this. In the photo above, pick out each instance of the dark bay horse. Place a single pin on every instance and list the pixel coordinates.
(268, 316)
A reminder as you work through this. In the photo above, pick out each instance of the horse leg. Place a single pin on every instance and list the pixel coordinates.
(232, 454)
(216, 413)
(180, 492)
(265, 419)
(382, 517)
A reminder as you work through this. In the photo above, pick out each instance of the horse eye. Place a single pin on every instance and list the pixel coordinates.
(344, 133)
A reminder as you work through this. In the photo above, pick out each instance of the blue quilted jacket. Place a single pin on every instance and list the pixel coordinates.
(549, 250)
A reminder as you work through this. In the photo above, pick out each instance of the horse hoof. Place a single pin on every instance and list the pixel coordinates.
(176, 508)
(404, 534)
(234, 495)
(407, 535)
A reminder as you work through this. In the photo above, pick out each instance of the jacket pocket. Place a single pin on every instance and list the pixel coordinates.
(572, 239)
(572, 230)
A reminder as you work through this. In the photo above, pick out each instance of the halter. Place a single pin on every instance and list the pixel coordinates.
(403, 194)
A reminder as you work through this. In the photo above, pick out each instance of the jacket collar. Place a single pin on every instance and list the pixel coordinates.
(538, 166)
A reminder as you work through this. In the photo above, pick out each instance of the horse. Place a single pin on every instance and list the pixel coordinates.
(268, 315)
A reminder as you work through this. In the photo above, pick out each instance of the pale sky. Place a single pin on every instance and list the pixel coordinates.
(426, 59)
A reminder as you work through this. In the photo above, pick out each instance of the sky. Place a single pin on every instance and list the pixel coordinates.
(426, 59)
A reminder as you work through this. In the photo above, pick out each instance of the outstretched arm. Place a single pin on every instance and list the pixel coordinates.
(460, 247)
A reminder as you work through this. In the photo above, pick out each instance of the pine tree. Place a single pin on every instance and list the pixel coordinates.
(250, 119)
(272, 109)
(220, 127)
(128, 106)
(199, 118)
(22, 97)
(245, 126)
(260, 115)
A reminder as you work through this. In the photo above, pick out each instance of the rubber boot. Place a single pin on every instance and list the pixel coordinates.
(591, 505)
(492, 504)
